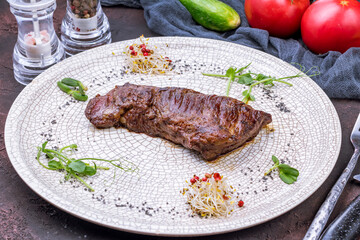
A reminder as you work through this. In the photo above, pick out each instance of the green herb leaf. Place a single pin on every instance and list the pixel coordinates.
(230, 72)
(43, 146)
(261, 76)
(74, 88)
(74, 168)
(243, 68)
(44, 150)
(289, 179)
(63, 87)
(245, 79)
(70, 82)
(275, 159)
(77, 166)
(74, 83)
(252, 79)
(90, 170)
(269, 82)
(73, 146)
(78, 96)
(49, 155)
(247, 96)
(286, 173)
(55, 165)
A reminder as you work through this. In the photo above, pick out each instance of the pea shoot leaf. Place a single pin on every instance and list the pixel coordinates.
(243, 68)
(43, 146)
(54, 165)
(49, 155)
(73, 146)
(90, 170)
(248, 96)
(275, 159)
(288, 170)
(230, 72)
(251, 79)
(245, 79)
(289, 179)
(44, 150)
(286, 173)
(261, 76)
(77, 166)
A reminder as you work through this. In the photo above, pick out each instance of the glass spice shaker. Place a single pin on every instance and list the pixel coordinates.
(37, 47)
(84, 26)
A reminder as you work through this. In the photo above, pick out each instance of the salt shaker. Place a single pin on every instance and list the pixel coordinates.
(84, 26)
(37, 47)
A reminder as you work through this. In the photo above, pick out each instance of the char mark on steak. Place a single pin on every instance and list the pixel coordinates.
(212, 125)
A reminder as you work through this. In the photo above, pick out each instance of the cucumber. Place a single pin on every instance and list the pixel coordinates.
(212, 14)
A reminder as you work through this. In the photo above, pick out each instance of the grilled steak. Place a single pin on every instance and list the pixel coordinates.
(210, 124)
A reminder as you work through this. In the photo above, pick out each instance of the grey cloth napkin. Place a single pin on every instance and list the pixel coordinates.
(129, 3)
(340, 73)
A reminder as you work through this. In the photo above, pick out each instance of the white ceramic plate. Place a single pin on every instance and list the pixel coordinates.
(307, 136)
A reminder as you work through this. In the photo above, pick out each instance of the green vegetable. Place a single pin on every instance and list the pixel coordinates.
(64, 88)
(78, 96)
(74, 88)
(75, 83)
(213, 14)
(286, 173)
(70, 82)
(54, 165)
(252, 79)
(75, 168)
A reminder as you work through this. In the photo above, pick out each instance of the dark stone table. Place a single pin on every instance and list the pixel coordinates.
(24, 215)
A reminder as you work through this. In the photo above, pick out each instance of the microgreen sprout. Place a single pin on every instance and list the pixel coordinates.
(76, 168)
(231, 74)
(251, 79)
(146, 58)
(286, 173)
(211, 195)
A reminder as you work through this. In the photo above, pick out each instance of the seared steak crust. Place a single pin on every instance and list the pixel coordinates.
(210, 124)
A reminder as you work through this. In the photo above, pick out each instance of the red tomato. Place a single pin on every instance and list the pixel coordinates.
(331, 25)
(281, 18)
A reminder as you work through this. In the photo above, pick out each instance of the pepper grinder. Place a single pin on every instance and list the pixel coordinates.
(84, 26)
(37, 47)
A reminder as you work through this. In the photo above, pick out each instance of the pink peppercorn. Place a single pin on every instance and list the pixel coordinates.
(217, 176)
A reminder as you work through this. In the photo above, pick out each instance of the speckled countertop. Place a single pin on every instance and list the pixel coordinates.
(24, 215)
